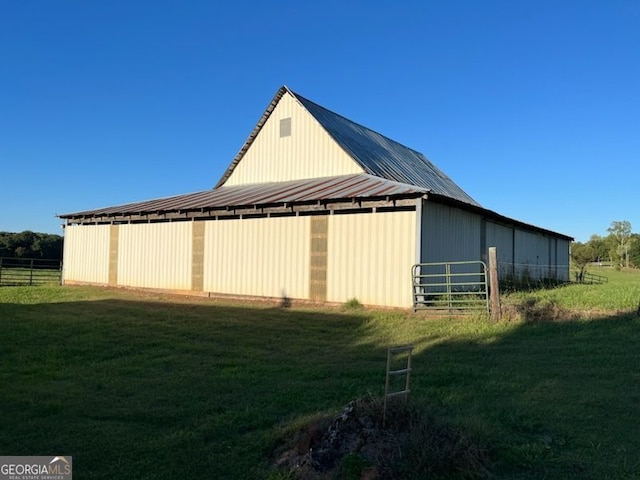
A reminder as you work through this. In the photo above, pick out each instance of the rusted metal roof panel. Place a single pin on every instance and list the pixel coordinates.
(343, 187)
(383, 157)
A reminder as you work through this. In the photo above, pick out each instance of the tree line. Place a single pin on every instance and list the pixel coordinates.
(29, 244)
(621, 248)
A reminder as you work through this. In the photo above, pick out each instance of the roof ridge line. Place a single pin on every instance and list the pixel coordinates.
(296, 95)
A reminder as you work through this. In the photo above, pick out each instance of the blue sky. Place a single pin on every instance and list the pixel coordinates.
(532, 107)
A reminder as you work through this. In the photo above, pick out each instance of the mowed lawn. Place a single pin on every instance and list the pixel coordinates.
(137, 385)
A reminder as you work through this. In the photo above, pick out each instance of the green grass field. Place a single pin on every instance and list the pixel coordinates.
(138, 386)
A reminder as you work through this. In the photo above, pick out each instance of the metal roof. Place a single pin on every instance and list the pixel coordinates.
(376, 154)
(383, 157)
(393, 172)
(344, 187)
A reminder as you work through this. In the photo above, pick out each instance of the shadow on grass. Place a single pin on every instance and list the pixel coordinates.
(556, 399)
(195, 390)
(171, 390)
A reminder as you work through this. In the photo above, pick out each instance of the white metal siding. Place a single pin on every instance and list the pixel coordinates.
(309, 152)
(501, 237)
(156, 255)
(370, 258)
(531, 248)
(562, 254)
(450, 234)
(267, 257)
(542, 256)
(534, 255)
(86, 254)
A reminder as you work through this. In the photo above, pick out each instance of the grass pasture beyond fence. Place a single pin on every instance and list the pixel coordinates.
(29, 271)
(137, 385)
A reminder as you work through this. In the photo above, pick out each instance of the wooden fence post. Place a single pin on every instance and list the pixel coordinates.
(494, 288)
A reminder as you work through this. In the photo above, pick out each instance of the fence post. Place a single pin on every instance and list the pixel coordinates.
(494, 284)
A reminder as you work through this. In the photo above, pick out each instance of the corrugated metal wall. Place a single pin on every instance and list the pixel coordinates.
(523, 253)
(266, 257)
(541, 256)
(501, 237)
(531, 248)
(86, 254)
(156, 255)
(562, 255)
(309, 151)
(450, 234)
(370, 258)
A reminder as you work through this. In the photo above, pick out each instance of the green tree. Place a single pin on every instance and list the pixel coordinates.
(5, 250)
(582, 254)
(634, 250)
(23, 244)
(600, 247)
(28, 244)
(621, 230)
(48, 246)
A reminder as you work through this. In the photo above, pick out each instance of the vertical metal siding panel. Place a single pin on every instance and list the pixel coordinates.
(370, 258)
(127, 259)
(341, 260)
(563, 259)
(86, 253)
(156, 255)
(213, 245)
(308, 153)
(266, 257)
(501, 237)
(531, 248)
(450, 234)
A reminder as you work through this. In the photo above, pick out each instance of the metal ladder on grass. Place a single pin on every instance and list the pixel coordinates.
(391, 352)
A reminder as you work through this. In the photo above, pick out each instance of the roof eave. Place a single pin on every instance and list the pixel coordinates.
(490, 214)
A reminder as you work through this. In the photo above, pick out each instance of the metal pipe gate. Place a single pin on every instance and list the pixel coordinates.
(452, 287)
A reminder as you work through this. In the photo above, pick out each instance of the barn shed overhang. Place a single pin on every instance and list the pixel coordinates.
(490, 215)
(359, 193)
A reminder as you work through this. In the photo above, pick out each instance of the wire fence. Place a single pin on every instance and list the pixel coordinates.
(525, 276)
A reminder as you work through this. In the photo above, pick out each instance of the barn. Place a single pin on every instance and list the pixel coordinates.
(314, 207)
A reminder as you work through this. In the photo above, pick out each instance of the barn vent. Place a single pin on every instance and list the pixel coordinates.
(285, 127)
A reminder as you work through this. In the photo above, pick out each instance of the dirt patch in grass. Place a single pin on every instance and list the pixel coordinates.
(548, 310)
(414, 443)
(535, 310)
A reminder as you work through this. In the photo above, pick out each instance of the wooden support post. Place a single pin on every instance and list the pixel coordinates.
(494, 285)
